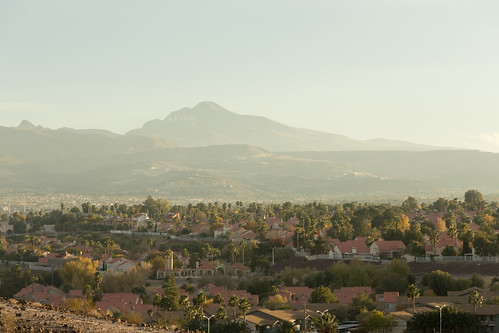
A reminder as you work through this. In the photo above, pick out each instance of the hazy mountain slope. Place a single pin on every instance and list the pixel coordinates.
(210, 124)
(33, 158)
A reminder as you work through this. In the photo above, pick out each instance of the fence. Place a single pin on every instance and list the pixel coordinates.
(457, 258)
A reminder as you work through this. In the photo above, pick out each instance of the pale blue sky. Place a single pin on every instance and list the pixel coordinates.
(425, 71)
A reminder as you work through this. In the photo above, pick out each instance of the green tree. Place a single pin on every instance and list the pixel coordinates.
(434, 239)
(218, 299)
(244, 305)
(233, 303)
(221, 313)
(323, 295)
(170, 299)
(475, 299)
(438, 281)
(413, 293)
(378, 322)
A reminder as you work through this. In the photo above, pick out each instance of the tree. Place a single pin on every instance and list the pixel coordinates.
(276, 302)
(475, 299)
(434, 239)
(218, 299)
(473, 199)
(438, 281)
(323, 295)
(326, 323)
(79, 273)
(170, 299)
(242, 245)
(233, 302)
(378, 322)
(244, 305)
(410, 205)
(221, 313)
(183, 301)
(413, 293)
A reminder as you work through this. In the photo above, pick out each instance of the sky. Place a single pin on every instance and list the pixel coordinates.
(424, 71)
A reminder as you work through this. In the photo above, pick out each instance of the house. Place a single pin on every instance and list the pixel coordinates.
(390, 249)
(56, 260)
(270, 321)
(443, 241)
(200, 229)
(387, 301)
(35, 292)
(273, 224)
(212, 291)
(295, 294)
(119, 264)
(351, 248)
(345, 295)
(124, 303)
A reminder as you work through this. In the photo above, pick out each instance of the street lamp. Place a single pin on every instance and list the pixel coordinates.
(322, 312)
(440, 308)
(208, 318)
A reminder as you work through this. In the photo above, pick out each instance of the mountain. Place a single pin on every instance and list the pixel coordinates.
(209, 124)
(94, 162)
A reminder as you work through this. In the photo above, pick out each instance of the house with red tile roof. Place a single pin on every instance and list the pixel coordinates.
(200, 229)
(212, 290)
(443, 241)
(387, 301)
(42, 294)
(390, 249)
(122, 302)
(295, 294)
(351, 248)
(346, 295)
(274, 223)
(118, 264)
(56, 260)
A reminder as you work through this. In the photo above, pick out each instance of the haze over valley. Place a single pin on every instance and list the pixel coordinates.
(209, 153)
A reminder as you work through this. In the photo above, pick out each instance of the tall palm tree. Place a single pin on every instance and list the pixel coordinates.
(233, 303)
(244, 305)
(434, 239)
(413, 293)
(242, 245)
(221, 313)
(149, 245)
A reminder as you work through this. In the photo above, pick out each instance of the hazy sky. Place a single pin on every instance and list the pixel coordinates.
(425, 71)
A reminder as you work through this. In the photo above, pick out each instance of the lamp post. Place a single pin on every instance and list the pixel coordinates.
(440, 309)
(208, 318)
(322, 312)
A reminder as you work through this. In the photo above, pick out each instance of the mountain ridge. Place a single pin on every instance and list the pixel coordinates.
(208, 123)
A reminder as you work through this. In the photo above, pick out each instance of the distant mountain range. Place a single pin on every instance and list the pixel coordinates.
(209, 124)
(180, 167)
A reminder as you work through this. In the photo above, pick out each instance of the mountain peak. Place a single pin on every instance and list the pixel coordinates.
(26, 124)
(205, 109)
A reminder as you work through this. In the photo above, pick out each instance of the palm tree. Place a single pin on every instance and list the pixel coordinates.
(434, 239)
(234, 251)
(218, 299)
(244, 305)
(221, 313)
(326, 323)
(233, 303)
(413, 293)
(149, 244)
(476, 299)
(242, 245)
(183, 301)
